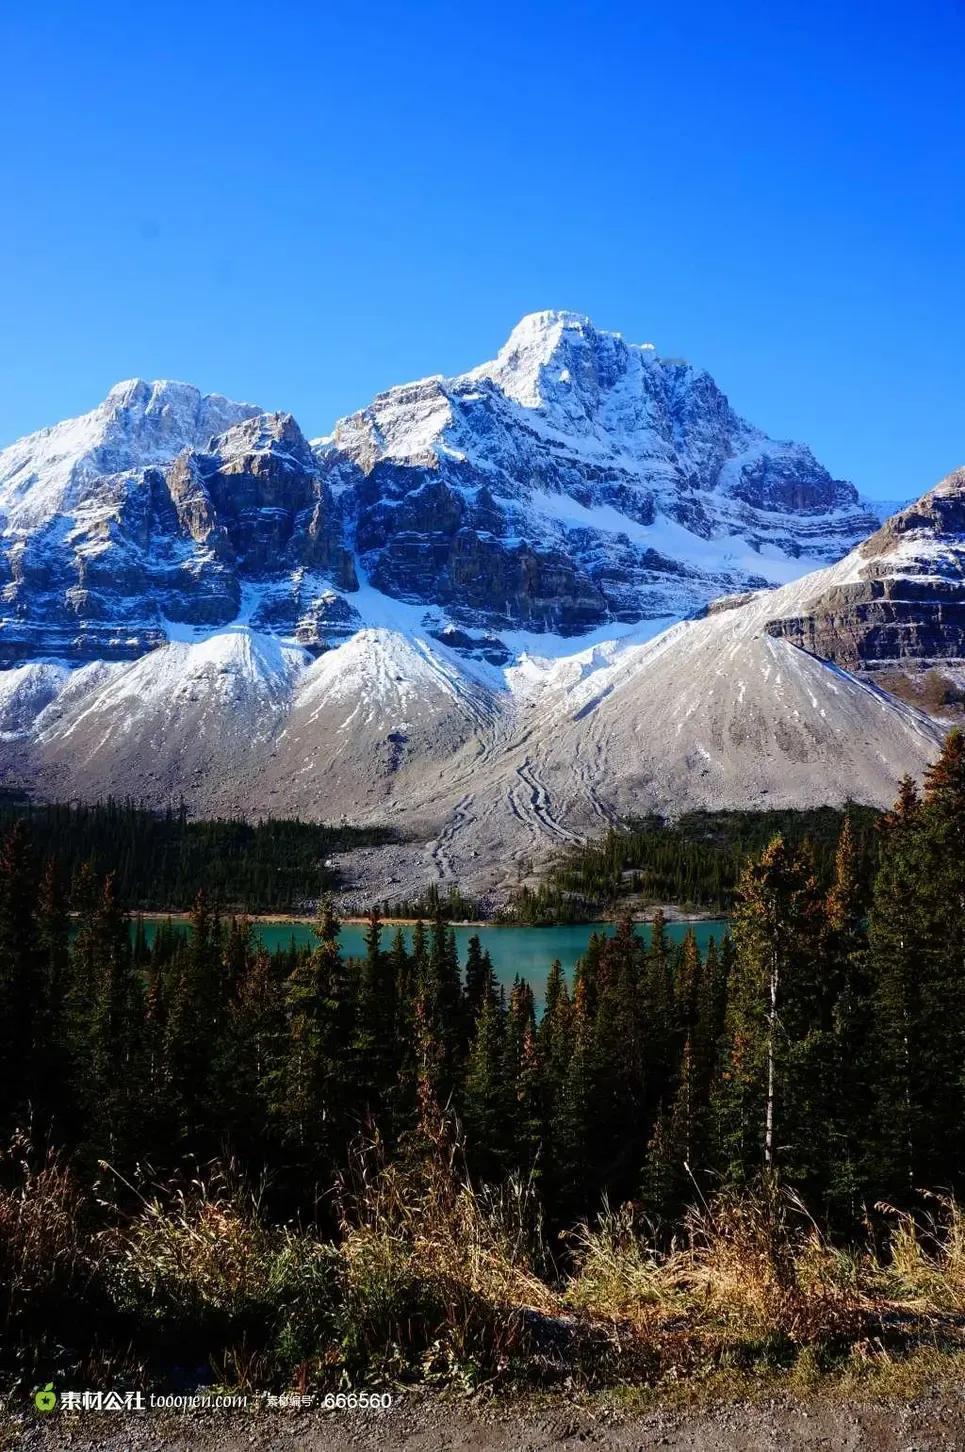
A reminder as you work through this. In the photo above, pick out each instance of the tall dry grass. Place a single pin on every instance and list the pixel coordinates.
(46, 1259)
(434, 1280)
(438, 1276)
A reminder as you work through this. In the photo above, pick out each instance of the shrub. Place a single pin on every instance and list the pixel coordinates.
(198, 1258)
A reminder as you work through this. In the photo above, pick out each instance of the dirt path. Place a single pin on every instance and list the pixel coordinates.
(932, 1423)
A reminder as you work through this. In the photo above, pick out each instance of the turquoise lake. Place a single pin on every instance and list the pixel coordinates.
(527, 952)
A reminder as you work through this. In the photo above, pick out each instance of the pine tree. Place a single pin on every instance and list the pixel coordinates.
(444, 1008)
(529, 1108)
(848, 1001)
(116, 1030)
(318, 1076)
(686, 986)
(21, 972)
(574, 1121)
(252, 1056)
(942, 910)
(658, 995)
(375, 1037)
(894, 1141)
(678, 1140)
(622, 1051)
(917, 959)
(53, 1061)
(196, 1009)
(774, 1093)
(555, 1032)
(478, 974)
(487, 1112)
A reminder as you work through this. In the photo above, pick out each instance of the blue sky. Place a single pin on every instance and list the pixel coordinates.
(301, 204)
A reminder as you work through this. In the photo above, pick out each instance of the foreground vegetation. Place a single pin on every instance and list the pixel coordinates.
(227, 1165)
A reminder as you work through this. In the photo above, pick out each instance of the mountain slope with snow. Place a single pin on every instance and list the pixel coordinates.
(575, 481)
(578, 479)
(898, 600)
(480, 610)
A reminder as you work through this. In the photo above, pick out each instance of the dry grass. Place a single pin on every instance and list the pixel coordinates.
(923, 1270)
(436, 1281)
(757, 1263)
(621, 1275)
(752, 1267)
(437, 1273)
(43, 1243)
(198, 1257)
(46, 1261)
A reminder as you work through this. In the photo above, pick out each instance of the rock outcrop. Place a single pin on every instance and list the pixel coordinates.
(899, 599)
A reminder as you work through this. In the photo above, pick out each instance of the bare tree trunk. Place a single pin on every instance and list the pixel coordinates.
(771, 1033)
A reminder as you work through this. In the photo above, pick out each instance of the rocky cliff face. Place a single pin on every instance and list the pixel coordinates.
(573, 482)
(899, 598)
(104, 554)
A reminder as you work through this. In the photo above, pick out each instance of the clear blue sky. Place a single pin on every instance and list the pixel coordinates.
(300, 204)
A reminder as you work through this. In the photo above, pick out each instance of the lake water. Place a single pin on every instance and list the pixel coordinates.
(527, 952)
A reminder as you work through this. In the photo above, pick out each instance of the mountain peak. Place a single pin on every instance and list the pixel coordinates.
(550, 347)
(139, 423)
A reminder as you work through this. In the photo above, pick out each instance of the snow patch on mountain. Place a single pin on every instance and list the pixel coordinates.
(137, 425)
(25, 692)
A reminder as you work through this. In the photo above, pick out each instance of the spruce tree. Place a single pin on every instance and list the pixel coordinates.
(116, 1030)
(488, 1103)
(897, 1062)
(53, 1059)
(21, 973)
(318, 1080)
(376, 1021)
(774, 1095)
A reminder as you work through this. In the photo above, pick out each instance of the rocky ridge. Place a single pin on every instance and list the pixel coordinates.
(575, 481)
(898, 600)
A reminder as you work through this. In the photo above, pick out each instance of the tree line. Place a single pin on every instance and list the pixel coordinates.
(820, 1040)
(695, 861)
(159, 860)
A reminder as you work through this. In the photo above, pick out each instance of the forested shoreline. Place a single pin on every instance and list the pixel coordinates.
(693, 862)
(280, 865)
(160, 859)
(353, 1163)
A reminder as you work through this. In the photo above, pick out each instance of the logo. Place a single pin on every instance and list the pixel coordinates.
(46, 1400)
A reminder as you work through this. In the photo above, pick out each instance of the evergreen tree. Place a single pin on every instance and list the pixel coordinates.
(444, 1007)
(574, 1122)
(776, 1084)
(478, 975)
(53, 1061)
(375, 1039)
(317, 1076)
(21, 973)
(847, 993)
(116, 1030)
(897, 1074)
(488, 1103)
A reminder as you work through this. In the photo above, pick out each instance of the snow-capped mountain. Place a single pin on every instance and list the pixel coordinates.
(574, 481)
(578, 479)
(486, 608)
(136, 519)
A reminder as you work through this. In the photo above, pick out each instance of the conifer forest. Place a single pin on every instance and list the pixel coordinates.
(259, 1163)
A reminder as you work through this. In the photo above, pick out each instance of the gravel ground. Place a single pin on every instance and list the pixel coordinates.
(418, 1424)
